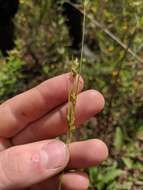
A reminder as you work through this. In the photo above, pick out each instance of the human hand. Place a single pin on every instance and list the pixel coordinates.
(27, 159)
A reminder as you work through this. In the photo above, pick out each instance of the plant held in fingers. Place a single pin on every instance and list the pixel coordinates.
(76, 68)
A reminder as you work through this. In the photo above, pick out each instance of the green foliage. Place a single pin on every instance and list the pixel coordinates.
(104, 177)
(112, 64)
(118, 139)
(10, 74)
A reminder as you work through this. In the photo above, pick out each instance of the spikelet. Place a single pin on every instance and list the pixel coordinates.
(72, 99)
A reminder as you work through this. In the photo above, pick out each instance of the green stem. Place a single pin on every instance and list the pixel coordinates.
(82, 43)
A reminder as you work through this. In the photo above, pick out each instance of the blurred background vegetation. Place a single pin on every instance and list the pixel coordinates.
(48, 33)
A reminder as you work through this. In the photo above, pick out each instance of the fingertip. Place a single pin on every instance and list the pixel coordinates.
(81, 181)
(66, 181)
(98, 99)
(100, 149)
(87, 153)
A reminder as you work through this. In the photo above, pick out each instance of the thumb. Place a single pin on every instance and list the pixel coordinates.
(25, 165)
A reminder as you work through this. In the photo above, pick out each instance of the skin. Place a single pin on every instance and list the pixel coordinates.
(29, 124)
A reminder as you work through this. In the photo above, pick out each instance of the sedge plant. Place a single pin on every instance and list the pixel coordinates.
(76, 68)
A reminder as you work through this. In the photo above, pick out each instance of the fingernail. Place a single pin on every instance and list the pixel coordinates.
(54, 155)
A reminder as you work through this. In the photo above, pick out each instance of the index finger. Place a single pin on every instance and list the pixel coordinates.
(18, 112)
